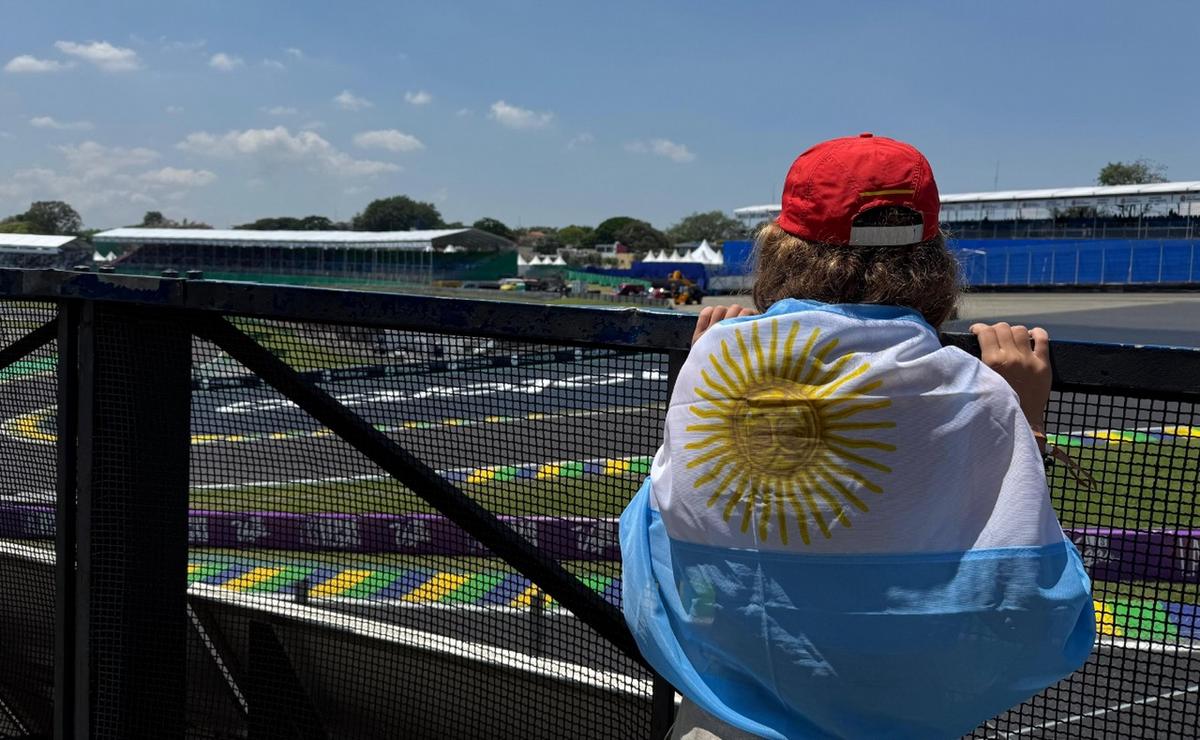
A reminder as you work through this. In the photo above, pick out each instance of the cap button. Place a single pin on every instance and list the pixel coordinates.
(866, 135)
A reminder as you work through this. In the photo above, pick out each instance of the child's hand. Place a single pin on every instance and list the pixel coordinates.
(710, 315)
(1022, 357)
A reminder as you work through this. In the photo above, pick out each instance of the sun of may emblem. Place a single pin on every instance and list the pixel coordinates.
(779, 435)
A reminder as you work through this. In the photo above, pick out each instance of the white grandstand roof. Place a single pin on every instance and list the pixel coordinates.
(1158, 192)
(1094, 191)
(251, 238)
(33, 241)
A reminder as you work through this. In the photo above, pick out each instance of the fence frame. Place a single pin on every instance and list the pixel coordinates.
(198, 308)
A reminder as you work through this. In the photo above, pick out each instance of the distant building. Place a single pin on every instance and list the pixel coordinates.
(617, 252)
(43, 251)
(1163, 210)
(315, 256)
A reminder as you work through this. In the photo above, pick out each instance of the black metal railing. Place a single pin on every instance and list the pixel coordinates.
(230, 510)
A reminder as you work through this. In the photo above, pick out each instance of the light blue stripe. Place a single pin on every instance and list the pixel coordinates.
(862, 311)
(796, 646)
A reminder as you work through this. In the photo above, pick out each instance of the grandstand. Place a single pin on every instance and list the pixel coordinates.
(41, 251)
(314, 256)
(1086, 236)
(1165, 210)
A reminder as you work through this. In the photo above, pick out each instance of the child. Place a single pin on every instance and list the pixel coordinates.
(847, 530)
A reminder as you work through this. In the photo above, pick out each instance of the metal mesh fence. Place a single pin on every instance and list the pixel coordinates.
(27, 483)
(328, 600)
(1138, 529)
(554, 439)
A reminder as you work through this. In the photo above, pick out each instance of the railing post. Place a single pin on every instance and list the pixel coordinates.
(124, 444)
(69, 659)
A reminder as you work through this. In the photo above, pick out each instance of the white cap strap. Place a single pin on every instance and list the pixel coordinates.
(885, 236)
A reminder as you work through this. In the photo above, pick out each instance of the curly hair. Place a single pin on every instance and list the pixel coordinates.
(924, 277)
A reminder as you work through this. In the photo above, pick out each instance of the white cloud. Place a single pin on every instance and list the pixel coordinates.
(279, 110)
(93, 175)
(272, 147)
(313, 126)
(580, 140)
(350, 101)
(519, 118)
(174, 109)
(294, 52)
(462, 112)
(50, 122)
(196, 45)
(29, 64)
(273, 64)
(93, 159)
(419, 97)
(175, 177)
(389, 139)
(224, 62)
(663, 148)
(102, 54)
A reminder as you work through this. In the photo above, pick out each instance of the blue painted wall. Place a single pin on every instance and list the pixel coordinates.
(1078, 261)
(1007, 262)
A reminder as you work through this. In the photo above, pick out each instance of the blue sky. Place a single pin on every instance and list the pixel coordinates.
(557, 113)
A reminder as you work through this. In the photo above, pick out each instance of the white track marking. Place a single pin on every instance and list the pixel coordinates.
(1144, 701)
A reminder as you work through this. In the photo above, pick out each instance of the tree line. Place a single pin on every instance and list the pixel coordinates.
(402, 213)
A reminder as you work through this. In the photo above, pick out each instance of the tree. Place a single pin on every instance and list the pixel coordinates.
(1138, 172)
(153, 219)
(493, 226)
(398, 213)
(156, 220)
(714, 226)
(289, 223)
(51, 217)
(14, 225)
(606, 231)
(642, 237)
(576, 236)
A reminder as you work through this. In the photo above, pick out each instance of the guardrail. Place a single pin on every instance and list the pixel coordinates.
(315, 543)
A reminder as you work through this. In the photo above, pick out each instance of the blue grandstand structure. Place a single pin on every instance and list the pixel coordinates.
(1138, 235)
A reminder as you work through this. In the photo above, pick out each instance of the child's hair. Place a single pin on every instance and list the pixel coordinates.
(923, 276)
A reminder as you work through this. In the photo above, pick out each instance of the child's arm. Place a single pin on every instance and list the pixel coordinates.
(1022, 357)
(710, 315)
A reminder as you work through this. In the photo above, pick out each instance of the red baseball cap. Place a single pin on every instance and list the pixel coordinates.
(832, 183)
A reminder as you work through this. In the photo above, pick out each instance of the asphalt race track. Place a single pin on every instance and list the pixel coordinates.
(453, 419)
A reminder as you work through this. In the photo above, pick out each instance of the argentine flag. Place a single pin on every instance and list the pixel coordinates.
(847, 533)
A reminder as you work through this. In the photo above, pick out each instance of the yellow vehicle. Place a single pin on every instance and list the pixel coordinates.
(681, 290)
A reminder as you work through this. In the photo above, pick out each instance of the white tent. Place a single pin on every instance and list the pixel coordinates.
(652, 256)
(97, 257)
(558, 260)
(706, 255)
(675, 256)
(522, 262)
